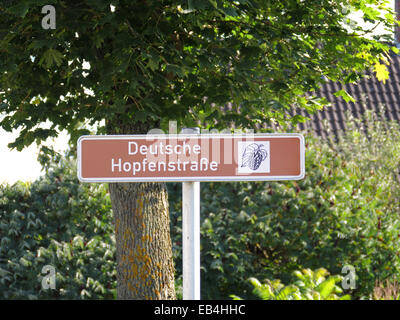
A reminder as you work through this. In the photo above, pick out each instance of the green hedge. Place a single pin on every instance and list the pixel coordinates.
(56, 221)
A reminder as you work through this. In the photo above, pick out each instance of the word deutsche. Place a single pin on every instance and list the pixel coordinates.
(163, 149)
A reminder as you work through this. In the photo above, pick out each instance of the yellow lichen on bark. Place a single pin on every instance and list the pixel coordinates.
(145, 267)
(117, 224)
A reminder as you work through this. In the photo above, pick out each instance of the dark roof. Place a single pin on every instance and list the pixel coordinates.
(369, 93)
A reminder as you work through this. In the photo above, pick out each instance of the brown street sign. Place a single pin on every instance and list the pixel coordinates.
(191, 157)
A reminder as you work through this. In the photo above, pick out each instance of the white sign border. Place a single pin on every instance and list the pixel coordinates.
(191, 136)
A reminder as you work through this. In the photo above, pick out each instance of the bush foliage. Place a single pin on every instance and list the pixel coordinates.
(345, 212)
(58, 222)
(310, 285)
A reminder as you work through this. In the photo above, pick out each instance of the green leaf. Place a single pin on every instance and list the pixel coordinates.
(152, 64)
(298, 274)
(230, 12)
(287, 292)
(51, 57)
(175, 69)
(235, 297)
(255, 282)
(395, 50)
(345, 95)
(326, 288)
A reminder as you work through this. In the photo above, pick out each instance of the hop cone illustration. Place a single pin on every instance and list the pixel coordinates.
(253, 156)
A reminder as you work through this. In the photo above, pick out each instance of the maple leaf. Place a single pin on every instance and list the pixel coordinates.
(382, 73)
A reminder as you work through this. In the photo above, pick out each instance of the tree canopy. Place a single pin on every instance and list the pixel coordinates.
(133, 61)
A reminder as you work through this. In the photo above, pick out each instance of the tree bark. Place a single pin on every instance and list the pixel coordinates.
(145, 267)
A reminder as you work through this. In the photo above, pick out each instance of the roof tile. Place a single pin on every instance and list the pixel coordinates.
(369, 93)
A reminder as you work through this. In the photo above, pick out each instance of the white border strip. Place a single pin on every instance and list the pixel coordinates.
(191, 136)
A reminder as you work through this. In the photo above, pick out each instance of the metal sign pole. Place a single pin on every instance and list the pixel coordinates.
(191, 235)
(191, 240)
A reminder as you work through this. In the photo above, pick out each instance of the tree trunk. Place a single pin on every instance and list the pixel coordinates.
(145, 267)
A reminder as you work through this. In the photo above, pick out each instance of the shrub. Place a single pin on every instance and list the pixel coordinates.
(311, 285)
(56, 221)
